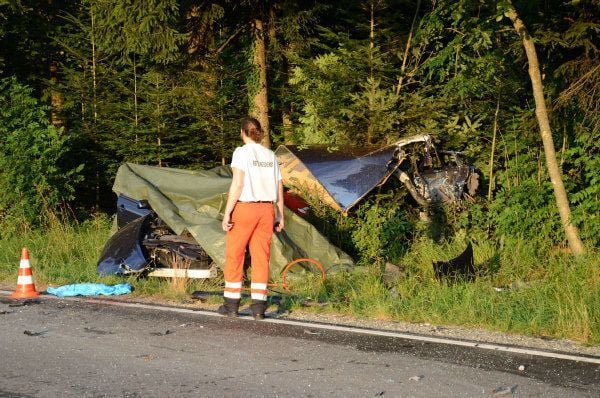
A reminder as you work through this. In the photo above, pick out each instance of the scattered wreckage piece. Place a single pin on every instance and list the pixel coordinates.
(461, 266)
(343, 178)
(180, 256)
(123, 253)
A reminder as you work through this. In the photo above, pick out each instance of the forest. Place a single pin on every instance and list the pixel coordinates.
(87, 85)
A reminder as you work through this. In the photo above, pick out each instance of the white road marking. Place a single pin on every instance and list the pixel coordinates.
(348, 329)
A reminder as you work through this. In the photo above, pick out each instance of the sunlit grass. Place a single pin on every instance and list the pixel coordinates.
(517, 290)
(60, 254)
(557, 296)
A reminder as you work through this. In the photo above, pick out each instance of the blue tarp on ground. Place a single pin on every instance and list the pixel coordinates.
(90, 289)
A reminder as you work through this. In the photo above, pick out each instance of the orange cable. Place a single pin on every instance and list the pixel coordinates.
(284, 283)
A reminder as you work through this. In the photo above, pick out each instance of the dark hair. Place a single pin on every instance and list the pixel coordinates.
(251, 127)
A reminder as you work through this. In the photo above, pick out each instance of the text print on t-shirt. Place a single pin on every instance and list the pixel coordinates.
(257, 163)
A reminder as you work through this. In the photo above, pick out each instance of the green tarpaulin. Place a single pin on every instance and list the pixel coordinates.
(194, 201)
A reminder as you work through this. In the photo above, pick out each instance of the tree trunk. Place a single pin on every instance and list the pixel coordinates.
(407, 48)
(493, 150)
(135, 99)
(286, 105)
(272, 18)
(285, 68)
(370, 127)
(57, 100)
(371, 37)
(541, 113)
(95, 105)
(286, 121)
(158, 120)
(94, 82)
(260, 102)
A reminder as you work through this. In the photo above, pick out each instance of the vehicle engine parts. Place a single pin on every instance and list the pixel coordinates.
(144, 243)
(343, 178)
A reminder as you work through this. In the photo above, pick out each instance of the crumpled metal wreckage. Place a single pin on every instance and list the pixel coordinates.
(168, 224)
(340, 178)
(343, 178)
(144, 241)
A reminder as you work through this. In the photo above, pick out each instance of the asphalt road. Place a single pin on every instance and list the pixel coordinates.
(73, 348)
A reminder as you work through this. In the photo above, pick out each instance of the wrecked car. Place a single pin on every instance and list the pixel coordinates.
(168, 223)
(342, 178)
(144, 242)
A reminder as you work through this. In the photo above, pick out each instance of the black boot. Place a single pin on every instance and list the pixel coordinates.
(258, 308)
(230, 307)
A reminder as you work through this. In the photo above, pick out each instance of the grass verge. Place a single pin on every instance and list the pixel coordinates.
(517, 291)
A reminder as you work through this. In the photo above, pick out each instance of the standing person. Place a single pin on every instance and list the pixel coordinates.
(249, 219)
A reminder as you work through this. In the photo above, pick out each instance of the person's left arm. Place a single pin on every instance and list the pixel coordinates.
(280, 218)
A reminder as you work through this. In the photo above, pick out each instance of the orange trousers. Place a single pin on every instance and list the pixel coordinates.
(253, 227)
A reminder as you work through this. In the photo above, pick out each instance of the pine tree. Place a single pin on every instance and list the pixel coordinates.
(141, 36)
(346, 92)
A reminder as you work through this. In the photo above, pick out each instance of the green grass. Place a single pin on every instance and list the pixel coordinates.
(553, 294)
(60, 254)
(65, 253)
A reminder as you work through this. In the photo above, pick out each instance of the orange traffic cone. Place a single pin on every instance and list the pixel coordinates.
(25, 286)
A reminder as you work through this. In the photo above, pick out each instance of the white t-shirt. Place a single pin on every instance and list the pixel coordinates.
(261, 172)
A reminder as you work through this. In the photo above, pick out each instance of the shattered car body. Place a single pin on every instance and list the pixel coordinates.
(343, 178)
(169, 223)
(144, 242)
(433, 176)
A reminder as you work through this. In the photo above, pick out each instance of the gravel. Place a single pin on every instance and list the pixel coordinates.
(454, 332)
(480, 335)
(444, 331)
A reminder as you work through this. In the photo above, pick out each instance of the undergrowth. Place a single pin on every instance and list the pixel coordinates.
(557, 296)
(520, 288)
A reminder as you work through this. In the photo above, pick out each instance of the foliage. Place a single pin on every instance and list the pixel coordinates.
(325, 86)
(586, 162)
(382, 231)
(166, 83)
(145, 29)
(527, 212)
(379, 230)
(36, 173)
(344, 92)
(519, 290)
(577, 105)
(126, 103)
